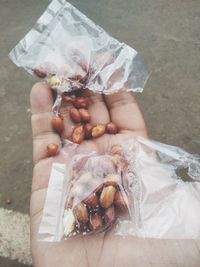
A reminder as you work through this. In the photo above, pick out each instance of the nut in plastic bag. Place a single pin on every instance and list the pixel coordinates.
(138, 192)
(72, 52)
(94, 197)
(97, 195)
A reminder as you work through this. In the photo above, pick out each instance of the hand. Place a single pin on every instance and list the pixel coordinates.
(105, 249)
(100, 250)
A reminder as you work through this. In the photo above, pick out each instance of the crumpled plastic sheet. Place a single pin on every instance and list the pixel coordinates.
(63, 35)
(165, 205)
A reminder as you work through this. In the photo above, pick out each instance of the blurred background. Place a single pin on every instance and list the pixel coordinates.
(165, 33)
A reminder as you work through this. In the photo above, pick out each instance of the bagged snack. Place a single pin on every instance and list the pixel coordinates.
(71, 52)
(93, 196)
(134, 189)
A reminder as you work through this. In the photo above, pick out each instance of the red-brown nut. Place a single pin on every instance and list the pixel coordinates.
(110, 215)
(81, 102)
(92, 200)
(57, 124)
(75, 115)
(85, 116)
(81, 213)
(98, 130)
(68, 98)
(121, 201)
(41, 73)
(107, 196)
(111, 128)
(88, 130)
(78, 134)
(96, 222)
(52, 150)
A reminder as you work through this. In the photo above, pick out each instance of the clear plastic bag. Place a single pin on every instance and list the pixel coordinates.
(72, 52)
(150, 199)
(93, 196)
(165, 183)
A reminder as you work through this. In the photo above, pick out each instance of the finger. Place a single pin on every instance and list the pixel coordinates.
(97, 108)
(125, 113)
(43, 134)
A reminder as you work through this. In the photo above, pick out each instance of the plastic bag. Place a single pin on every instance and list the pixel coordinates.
(165, 183)
(72, 52)
(150, 197)
(89, 198)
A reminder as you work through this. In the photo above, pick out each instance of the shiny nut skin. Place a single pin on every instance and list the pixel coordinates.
(96, 222)
(84, 114)
(111, 128)
(78, 134)
(81, 213)
(40, 72)
(110, 215)
(88, 130)
(121, 201)
(57, 124)
(75, 115)
(98, 130)
(81, 102)
(107, 196)
(52, 150)
(92, 200)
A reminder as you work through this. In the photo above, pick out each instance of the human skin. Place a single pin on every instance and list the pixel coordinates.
(104, 249)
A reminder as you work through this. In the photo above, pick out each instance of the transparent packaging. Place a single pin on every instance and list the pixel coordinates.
(138, 188)
(71, 52)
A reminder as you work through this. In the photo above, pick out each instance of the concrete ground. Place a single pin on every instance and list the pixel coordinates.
(167, 35)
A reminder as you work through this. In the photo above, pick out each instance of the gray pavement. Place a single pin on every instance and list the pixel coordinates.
(166, 33)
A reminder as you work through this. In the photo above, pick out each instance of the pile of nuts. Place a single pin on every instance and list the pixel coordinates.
(79, 113)
(96, 198)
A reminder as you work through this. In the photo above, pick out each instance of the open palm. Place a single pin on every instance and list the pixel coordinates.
(100, 250)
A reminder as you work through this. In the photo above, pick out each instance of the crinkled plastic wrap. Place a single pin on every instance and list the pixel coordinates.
(152, 198)
(165, 184)
(66, 44)
(90, 198)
